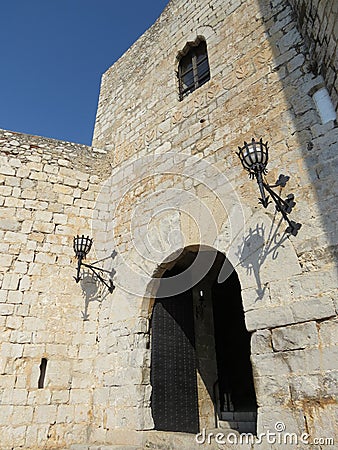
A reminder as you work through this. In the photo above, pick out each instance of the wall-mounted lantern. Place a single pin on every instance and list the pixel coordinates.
(254, 157)
(82, 245)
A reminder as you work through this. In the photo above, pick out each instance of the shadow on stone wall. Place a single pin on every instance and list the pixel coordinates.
(257, 245)
(306, 138)
(93, 288)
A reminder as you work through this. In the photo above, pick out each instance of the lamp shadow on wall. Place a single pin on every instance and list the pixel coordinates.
(257, 246)
(92, 288)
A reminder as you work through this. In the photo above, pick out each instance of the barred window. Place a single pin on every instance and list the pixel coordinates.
(193, 69)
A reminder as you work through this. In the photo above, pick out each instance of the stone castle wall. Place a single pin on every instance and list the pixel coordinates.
(48, 190)
(169, 178)
(318, 23)
(261, 85)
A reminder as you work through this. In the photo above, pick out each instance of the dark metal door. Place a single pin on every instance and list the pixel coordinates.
(173, 368)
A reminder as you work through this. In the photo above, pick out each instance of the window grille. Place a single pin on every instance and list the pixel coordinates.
(193, 69)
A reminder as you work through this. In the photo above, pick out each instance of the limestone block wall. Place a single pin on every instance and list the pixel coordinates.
(166, 178)
(48, 190)
(177, 182)
(301, 355)
(317, 21)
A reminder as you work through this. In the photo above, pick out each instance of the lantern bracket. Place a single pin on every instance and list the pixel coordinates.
(254, 158)
(82, 245)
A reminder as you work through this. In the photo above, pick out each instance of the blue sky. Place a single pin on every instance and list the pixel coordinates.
(53, 53)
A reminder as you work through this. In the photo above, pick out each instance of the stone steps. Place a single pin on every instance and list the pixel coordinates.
(241, 421)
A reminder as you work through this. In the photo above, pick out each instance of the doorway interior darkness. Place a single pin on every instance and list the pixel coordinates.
(200, 348)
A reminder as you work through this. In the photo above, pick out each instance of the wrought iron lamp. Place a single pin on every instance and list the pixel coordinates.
(82, 245)
(254, 157)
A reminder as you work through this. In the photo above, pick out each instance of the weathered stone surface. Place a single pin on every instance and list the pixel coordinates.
(293, 421)
(295, 337)
(261, 342)
(328, 332)
(273, 364)
(268, 317)
(313, 308)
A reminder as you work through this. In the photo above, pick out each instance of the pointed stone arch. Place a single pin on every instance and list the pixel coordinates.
(195, 398)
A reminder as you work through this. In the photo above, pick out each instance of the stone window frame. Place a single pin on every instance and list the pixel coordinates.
(190, 57)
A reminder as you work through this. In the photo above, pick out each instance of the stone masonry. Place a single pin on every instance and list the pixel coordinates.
(45, 199)
(162, 176)
(317, 21)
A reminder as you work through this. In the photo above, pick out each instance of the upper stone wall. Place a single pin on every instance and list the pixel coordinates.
(27, 148)
(122, 99)
(318, 23)
(139, 103)
(260, 86)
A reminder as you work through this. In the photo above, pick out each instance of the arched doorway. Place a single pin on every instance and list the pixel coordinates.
(200, 349)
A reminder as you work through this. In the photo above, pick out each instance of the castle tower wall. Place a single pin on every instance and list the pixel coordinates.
(261, 85)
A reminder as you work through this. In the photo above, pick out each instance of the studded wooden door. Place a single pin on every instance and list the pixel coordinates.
(173, 367)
